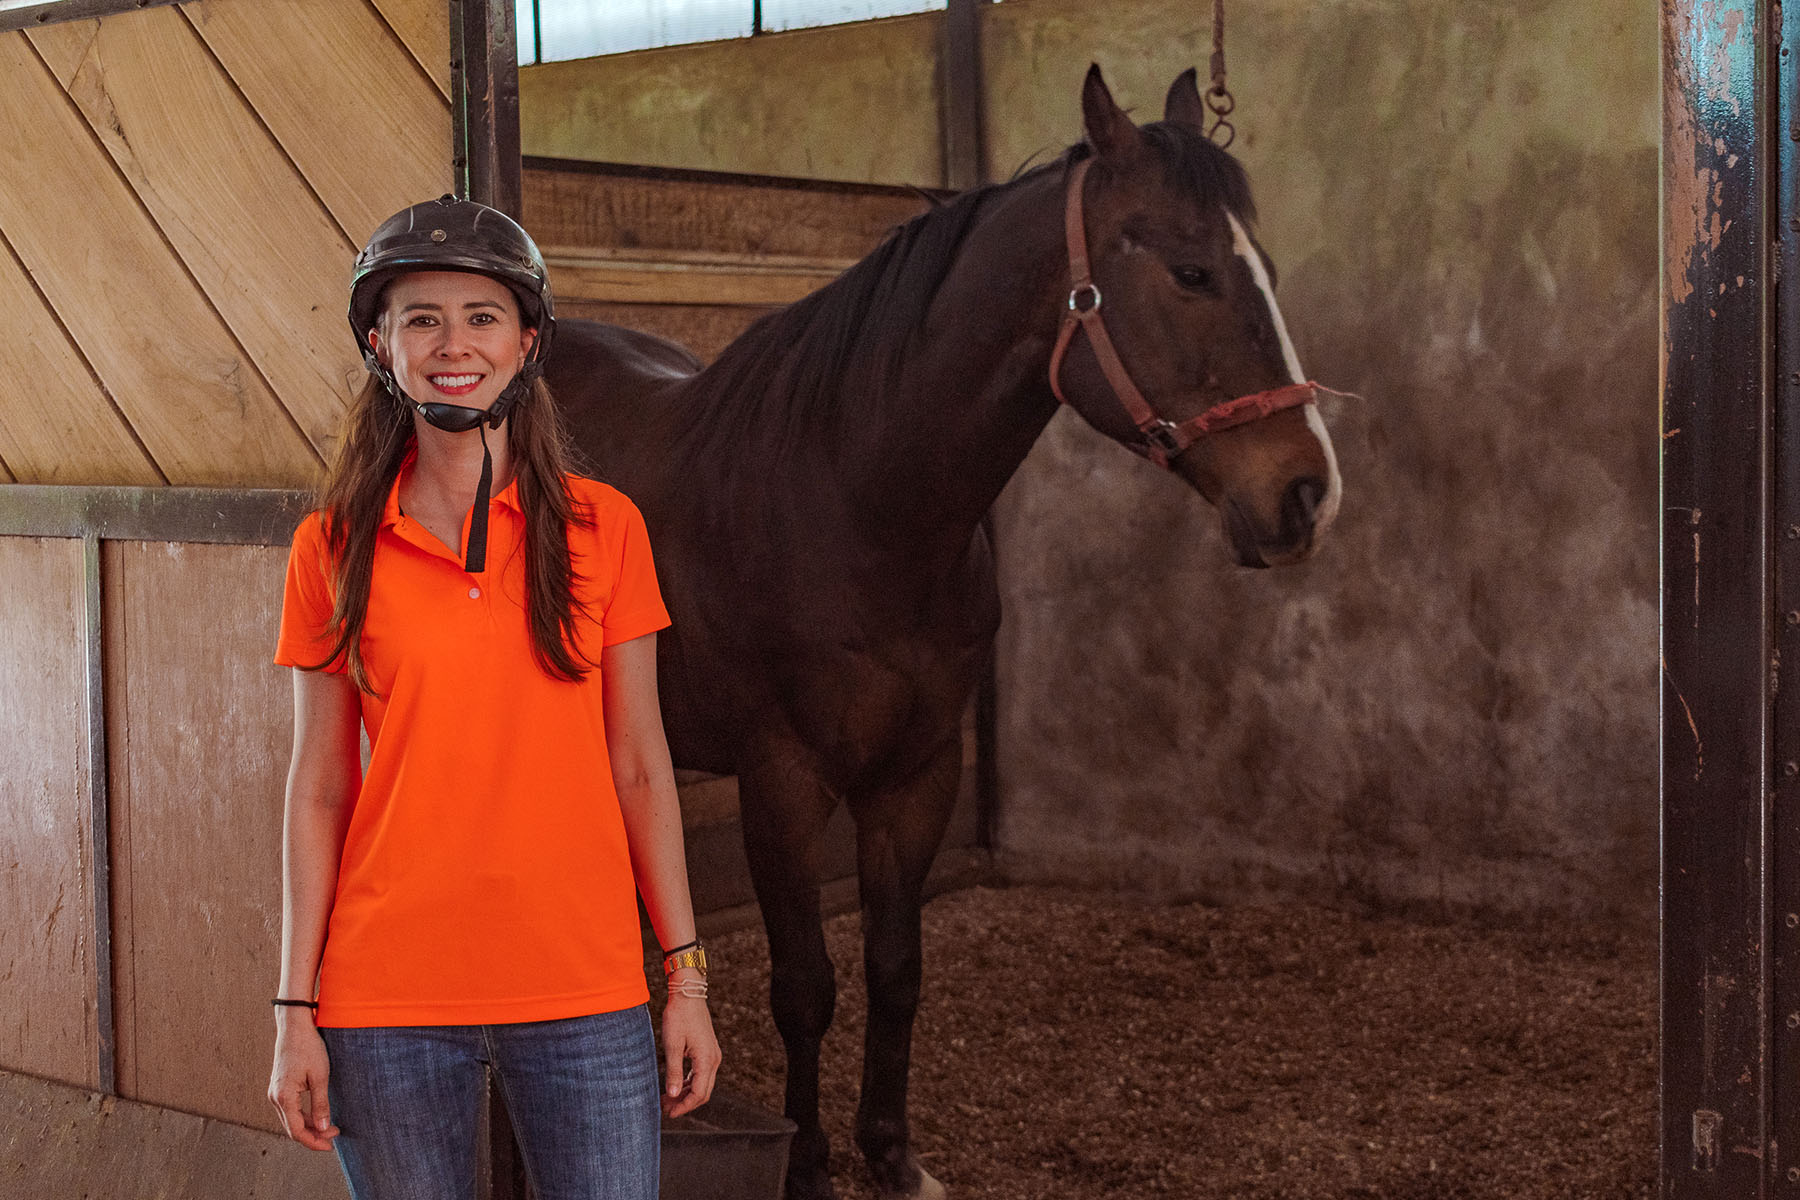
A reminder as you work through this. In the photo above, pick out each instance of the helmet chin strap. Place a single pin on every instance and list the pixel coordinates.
(475, 554)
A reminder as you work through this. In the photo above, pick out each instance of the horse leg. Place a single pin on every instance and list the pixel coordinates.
(784, 810)
(897, 835)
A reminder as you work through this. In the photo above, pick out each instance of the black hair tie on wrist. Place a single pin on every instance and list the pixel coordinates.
(312, 1004)
(680, 948)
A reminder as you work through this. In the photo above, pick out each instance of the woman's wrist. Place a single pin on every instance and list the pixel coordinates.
(687, 983)
(295, 1018)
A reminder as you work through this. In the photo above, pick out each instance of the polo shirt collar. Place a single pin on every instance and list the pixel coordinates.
(390, 514)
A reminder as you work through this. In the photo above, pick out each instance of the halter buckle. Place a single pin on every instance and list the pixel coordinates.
(1075, 299)
(1165, 435)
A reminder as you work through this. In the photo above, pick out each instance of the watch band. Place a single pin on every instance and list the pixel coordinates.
(695, 957)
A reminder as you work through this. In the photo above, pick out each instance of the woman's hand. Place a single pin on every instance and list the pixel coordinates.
(297, 1084)
(691, 1054)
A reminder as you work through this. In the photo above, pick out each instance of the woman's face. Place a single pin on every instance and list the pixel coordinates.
(451, 337)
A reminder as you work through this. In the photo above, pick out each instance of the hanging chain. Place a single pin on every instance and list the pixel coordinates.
(1219, 99)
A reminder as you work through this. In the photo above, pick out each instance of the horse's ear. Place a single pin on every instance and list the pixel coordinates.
(1109, 130)
(1184, 106)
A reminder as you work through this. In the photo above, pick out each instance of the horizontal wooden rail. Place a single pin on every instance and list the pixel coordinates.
(220, 516)
(675, 277)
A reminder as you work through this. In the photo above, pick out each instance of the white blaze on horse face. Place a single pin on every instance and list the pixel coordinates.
(1334, 486)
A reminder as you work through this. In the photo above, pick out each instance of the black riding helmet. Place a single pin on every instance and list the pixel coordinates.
(448, 234)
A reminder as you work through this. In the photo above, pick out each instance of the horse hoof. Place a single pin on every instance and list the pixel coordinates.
(809, 1185)
(927, 1188)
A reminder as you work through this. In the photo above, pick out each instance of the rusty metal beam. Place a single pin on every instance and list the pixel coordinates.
(484, 103)
(1784, 527)
(1728, 864)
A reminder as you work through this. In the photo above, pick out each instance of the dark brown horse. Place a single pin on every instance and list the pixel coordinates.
(816, 497)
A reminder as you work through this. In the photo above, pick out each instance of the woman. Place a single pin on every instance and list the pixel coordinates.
(467, 903)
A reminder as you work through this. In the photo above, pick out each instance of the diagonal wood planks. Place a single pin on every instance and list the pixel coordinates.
(228, 200)
(370, 133)
(424, 27)
(201, 409)
(60, 427)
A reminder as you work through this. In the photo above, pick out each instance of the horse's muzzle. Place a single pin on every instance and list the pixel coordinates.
(1290, 540)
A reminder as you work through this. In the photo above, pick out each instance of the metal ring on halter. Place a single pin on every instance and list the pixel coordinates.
(1075, 295)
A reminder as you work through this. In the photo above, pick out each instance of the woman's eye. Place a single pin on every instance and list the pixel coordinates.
(482, 319)
(420, 320)
(1197, 279)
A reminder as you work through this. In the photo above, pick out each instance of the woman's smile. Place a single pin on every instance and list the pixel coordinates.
(455, 385)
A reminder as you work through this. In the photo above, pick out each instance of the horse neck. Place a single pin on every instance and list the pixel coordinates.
(973, 392)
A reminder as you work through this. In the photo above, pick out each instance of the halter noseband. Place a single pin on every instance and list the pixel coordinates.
(1163, 439)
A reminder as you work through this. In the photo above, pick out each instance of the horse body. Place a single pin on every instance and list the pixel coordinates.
(816, 497)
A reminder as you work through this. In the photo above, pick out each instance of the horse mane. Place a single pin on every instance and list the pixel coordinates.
(801, 367)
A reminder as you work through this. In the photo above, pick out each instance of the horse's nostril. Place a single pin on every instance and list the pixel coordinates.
(1299, 504)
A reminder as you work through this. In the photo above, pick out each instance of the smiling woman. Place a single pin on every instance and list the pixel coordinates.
(480, 878)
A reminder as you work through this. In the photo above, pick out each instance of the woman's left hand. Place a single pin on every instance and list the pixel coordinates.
(691, 1055)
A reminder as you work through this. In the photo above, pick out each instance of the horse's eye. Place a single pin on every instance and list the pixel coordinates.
(1195, 279)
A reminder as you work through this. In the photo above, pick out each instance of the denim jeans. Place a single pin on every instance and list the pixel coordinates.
(582, 1094)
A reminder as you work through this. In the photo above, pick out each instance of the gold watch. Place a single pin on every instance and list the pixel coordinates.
(695, 957)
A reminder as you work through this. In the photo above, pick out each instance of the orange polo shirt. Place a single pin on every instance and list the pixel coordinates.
(485, 875)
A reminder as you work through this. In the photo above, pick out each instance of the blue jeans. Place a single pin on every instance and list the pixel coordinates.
(582, 1095)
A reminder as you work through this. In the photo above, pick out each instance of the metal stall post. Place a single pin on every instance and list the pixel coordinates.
(484, 103)
(1731, 841)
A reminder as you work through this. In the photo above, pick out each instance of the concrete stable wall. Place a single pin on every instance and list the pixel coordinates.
(1454, 702)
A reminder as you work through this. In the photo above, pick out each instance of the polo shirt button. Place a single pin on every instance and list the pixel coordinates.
(474, 593)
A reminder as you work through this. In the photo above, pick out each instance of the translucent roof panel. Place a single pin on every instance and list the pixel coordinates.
(583, 28)
(799, 14)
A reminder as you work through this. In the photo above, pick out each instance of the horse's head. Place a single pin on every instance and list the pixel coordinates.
(1183, 291)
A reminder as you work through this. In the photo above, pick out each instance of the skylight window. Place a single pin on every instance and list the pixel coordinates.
(553, 30)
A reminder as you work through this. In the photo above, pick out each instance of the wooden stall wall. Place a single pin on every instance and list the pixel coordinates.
(695, 256)
(198, 764)
(47, 935)
(174, 259)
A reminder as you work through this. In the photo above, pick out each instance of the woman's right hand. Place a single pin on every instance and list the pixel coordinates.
(298, 1082)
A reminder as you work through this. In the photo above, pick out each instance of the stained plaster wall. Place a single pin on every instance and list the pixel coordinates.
(1453, 703)
(855, 102)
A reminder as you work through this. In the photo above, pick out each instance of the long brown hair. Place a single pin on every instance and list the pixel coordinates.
(378, 431)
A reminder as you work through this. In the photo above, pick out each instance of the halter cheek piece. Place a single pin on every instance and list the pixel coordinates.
(1163, 439)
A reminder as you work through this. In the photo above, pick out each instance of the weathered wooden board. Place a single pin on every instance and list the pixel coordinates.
(56, 424)
(202, 410)
(367, 129)
(705, 330)
(591, 205)
(729, 280)
(60, 1142)
(199, 784)
(424, 25)
(269, 259)
(47, 975)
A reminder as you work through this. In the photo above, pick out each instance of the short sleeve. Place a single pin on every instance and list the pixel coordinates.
(635, 606)
(307, 602)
